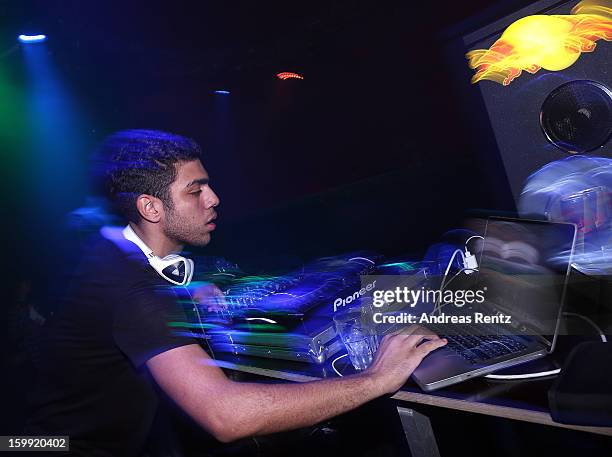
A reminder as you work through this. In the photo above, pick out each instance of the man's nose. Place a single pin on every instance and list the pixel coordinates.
(212, 199)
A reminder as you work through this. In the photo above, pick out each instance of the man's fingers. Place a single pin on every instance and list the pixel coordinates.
(432, 345)
(413, 340)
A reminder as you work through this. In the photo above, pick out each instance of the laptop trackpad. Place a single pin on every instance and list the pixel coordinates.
(441, 364)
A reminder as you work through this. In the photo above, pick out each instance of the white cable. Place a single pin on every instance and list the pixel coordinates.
(524, 376)
(333, 364)
(469, 261)
(551, 372)
(448, 267)
(362, 258)
(452, 259)
(593, 324)
(471, 238)
(437, 306)
(454, 276)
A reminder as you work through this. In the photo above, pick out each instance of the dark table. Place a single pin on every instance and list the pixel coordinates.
(524, 400)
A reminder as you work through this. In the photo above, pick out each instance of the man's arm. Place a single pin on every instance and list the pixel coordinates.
(232, 410)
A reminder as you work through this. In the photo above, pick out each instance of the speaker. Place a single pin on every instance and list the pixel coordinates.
(541, 116)
(582, 394)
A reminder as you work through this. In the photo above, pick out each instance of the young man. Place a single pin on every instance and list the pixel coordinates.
(111, 335)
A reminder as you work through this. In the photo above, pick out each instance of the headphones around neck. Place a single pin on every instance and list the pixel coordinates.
(173, 268)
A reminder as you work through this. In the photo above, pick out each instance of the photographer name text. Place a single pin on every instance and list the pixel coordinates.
(424, 318)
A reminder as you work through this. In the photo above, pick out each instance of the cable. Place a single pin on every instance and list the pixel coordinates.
(525, 375)
(362, 258)
(437, 306)
(593, 324)
(450, 262)
(550, 372)
(448, 267)
(333, 364)
(454, 276)
(469, 261)
(471, 238)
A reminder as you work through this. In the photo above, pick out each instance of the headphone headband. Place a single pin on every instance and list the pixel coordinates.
(173, 268)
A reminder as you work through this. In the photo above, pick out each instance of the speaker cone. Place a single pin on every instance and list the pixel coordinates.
(577, 116)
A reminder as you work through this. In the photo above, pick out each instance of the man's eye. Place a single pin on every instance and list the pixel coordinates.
(197, 192)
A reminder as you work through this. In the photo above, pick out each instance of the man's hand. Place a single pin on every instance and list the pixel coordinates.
(209, 297)
(399, 354)
(232, 410)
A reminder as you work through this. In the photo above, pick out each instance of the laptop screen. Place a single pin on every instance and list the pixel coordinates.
(524, 267)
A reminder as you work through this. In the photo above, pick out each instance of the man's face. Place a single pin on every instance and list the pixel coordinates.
(190, 220)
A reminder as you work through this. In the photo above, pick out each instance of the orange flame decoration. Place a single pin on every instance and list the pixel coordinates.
(551, 42)
(286, 75)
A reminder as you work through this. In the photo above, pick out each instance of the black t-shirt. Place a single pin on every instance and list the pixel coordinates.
(93, 382)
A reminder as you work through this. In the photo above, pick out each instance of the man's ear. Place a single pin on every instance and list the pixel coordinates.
(150, 208)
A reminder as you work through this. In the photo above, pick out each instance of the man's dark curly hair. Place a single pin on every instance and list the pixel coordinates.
(134, 162)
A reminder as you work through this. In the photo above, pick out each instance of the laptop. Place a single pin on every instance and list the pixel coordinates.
(521, 280)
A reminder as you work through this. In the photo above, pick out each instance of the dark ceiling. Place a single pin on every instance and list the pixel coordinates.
(377, 96)
(222, 40)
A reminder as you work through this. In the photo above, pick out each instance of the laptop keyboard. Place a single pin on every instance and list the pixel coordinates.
(480, 348)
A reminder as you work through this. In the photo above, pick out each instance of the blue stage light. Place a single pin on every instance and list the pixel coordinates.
(222, 92)
(32, 38)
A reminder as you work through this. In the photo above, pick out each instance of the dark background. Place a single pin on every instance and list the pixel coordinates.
(384, 145)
